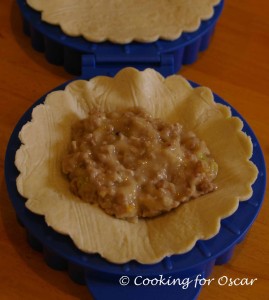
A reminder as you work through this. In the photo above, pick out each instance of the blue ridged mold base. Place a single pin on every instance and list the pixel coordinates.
(102, 277)
(167, 57)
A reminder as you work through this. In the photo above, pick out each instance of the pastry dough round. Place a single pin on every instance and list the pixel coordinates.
(124, 21)
(45, 140)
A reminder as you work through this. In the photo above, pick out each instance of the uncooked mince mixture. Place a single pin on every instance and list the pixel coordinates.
(135, 166)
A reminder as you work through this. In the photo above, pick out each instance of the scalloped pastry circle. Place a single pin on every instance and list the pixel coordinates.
(45, 140)
(124, 21)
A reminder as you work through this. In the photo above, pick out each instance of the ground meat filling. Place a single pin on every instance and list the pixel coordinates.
(133, 165)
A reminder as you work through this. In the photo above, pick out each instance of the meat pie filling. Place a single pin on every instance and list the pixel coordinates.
(135, 166)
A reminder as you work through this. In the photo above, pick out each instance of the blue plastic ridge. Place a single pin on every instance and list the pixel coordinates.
(203, 248)
(230, 226)
(168, 264)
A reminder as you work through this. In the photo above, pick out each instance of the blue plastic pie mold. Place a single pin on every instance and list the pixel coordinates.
(80, 57)
(102, 277)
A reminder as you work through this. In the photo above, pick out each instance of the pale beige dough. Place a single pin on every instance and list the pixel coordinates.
(123, 21)
(45, 140)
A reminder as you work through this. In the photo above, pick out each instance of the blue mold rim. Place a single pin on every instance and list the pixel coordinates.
(101, 276)
(81, 57)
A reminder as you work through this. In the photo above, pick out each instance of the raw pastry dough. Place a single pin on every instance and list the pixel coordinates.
(45, 140)
(123, 21)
